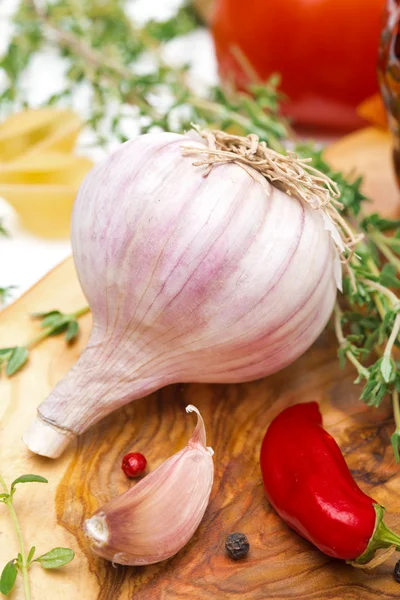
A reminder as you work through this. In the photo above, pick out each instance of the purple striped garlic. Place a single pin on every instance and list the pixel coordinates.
(222, 279)
(157, 517)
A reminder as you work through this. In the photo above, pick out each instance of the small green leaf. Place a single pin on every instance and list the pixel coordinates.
(31, 554)
(342, 357)
(8, 577)
(6, 351)
(59, 329)
(375, 221)
(380, 394)
(52, 320)
(17, 360)
(358, 379)
(387, 369)
(369, 390)
(371, 339)
(355, 338)
(28, 479)
(58, 557)
(388, 277)
(3, 497)
(43, 315)
(72, 330)
(395, 439)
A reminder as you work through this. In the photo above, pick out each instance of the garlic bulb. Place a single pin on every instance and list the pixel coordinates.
(154, 519)
(189, 278)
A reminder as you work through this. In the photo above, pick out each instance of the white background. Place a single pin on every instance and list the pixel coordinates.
(25, 258)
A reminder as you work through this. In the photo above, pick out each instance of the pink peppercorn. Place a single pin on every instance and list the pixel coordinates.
(134, 464)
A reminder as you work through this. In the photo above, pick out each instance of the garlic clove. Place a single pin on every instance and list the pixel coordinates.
(157, 517)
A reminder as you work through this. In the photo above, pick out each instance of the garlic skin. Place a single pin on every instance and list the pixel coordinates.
(218, 279)
(157, 517)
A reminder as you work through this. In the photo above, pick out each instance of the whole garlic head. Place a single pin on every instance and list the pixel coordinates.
(189, 278)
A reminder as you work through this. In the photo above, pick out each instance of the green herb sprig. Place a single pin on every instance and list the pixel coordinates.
(55, 558)
(102, 47)
(5, 293)
(367, 321)
(52, 323)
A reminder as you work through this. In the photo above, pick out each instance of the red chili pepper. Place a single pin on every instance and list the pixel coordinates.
(134, 464)
(309, 484)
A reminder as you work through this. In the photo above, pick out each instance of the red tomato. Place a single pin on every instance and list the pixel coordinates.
(325, 50)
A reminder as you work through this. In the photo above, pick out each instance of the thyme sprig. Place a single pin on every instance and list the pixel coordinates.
(52, 323)
(368, 326)
(103, 48)
(55, 558)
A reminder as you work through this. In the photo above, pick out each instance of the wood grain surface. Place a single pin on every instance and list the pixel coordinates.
(281, 565)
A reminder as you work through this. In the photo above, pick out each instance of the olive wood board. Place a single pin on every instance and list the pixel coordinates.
(281, 565)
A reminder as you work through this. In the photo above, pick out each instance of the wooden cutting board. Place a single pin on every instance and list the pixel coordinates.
(281, 565)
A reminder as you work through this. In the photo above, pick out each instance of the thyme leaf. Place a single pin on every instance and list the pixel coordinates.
(8, 577)
(56, 558)
(21, 564)
(52, 323)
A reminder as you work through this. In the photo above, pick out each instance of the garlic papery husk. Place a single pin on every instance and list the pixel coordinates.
(157, 517)
(222, 278)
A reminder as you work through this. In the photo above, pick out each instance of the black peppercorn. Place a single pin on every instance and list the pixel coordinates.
(237, 545)
(396, 571)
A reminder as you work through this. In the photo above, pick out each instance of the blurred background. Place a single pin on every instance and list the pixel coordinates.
(28, 252)
(78, 77)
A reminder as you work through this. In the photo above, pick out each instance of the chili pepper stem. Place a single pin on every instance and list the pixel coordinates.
(383, 537)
